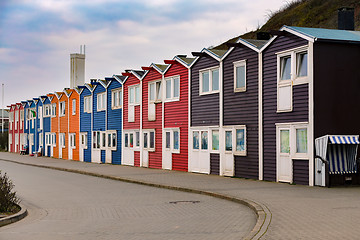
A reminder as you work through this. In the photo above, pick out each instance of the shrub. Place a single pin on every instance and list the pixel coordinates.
(8, 199)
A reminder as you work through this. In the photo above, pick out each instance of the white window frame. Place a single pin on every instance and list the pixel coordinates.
(53, 109)
(171, 131)
(62, 108)
(47, 110)
(241, 63)
(84, 136)
(293, 149)
(149, 131)
(53, 139)
(21, 118)
(41, 143)
(96, 140)
(116, 98)
(137, 140)
(211, 140)
(211, 91)
(111, 134)
(101, 101)
(73, 110)
(62, 140)
(233, 136)
(88, 104)
(16, 113)
(136, 86)
(72, 140)
(172, 98)
(158, 92)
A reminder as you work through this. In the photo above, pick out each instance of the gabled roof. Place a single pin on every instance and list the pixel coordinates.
(160, 67)
(67, 92)
(78, 89)
(90, 86)
(120, 78)
(318, 34)
(218, 53)
(105, 83)
(58, 94)
(184, 59)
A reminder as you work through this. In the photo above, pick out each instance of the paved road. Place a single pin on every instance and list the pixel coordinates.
(66, 205)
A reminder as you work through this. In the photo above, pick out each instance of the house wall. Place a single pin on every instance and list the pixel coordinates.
(270, 116)
(114, 122)
(74, 122)
(132, 80)
(20, 126)
(64, 126)
(38, 130)
(55, 126)
(12, 130)
(204, 108)
(336, 88)
(32, 127)
(85, 124)
(176, 115)
(155, 158)
(241, 108)
(47, 126)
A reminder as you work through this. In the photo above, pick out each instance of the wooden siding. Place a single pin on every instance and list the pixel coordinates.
(132, 80)
(215, 163)
(98, 116)
(301, 172)
(336, 89)
(32, 128)
(137, 158)
(85, 124)
(64, 126)
(176, 115)
(155, 158)
(74, 122)
(55, 125)
(204, 108)
(270, 117)
(114, 122)
(12, 130)
(241, 108)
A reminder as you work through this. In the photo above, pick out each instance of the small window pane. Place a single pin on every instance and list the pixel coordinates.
(167, 143)
(205, 82)
(94, 139)
(284, 141)
(302, 64)
(195, 140)
(152, 92)
(137, 94)
(176, 87)
(114, 139)
(301, 140)
(176, 140)
(158, 90)
(145, 140)
(137, 138)
(228, 140)
(240, 77)
(204, 140)
(240, 140)
(131, 140)
(215, 79)
(285, 66)
(103, 139)
(109, 140)
(131, 93)
(215, 140)
(168, 88)
(152, 139)
(126, 140)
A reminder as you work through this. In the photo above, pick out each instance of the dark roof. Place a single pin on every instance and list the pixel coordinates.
(139, 72)
(162, 67)
(185, 59)
(257, 43)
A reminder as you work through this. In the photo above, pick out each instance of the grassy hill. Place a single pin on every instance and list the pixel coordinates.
(304, 13)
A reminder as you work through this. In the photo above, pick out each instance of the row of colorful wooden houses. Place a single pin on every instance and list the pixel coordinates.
(251, 111)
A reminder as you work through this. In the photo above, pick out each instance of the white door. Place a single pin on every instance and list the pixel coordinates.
(70, 146)
(31, 142)
(199, 153)
(108, 151)
(60, 145)
(166, 153)
(229, 156)
(82, 145)
(128, 157)
(284, 162)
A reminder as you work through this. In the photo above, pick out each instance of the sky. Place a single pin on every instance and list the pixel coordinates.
(37, 36)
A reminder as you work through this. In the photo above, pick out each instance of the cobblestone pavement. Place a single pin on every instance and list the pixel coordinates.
(296, 212)
(66, 205)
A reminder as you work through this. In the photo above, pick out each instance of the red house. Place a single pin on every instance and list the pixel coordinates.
(16, 127)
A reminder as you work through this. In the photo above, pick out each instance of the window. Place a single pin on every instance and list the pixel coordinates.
(47, 110)
(209, 81)
(149, 140)
(21, 118)
(228, 141)
(204, 140)
(145, 140)
(83, 140)
(131, 140)
(111, 139)
(62, 140)
(88, 104)
(215, 140)
(41, 117)
(172, 140)
(172, 88)
(168, 135)
(53, 139)
(103, 140)
(16, 119)
(155, 92)
(284, 141)
(195, 140)
(240, 76)
(134, 95)
(62, 109)
(240, 140)
(137, 139)
(72, 140)
(53, 110)
(285, 68)
(126, 140)
(152, 140)
(301, 140)
(73, 107)
(41, 139)
(101, 101)
(301, 64)
(116, 98)
(96, 140)
(176, 141)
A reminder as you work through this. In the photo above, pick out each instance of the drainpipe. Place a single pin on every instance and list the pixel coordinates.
(141, 123)
(221, 120)
(260, 116)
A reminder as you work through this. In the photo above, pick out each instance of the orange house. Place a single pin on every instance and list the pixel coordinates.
(73, 111)
(63, 136)
(55, 123)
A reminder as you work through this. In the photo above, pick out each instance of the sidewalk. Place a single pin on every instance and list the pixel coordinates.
(291, 211)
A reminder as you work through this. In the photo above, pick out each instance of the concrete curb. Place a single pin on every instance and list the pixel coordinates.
(15, 217)
(263, 214)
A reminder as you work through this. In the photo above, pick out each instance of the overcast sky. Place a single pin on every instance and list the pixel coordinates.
(37, 36)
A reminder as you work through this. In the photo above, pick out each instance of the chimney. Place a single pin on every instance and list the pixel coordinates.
(262, 36)
(346, 18)
(77, 68)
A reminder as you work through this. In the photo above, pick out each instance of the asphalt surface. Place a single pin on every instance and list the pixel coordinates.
(64, 205)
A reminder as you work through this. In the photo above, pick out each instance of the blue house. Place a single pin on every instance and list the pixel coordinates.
(31, 124)
(46, 125)
(25, 135)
